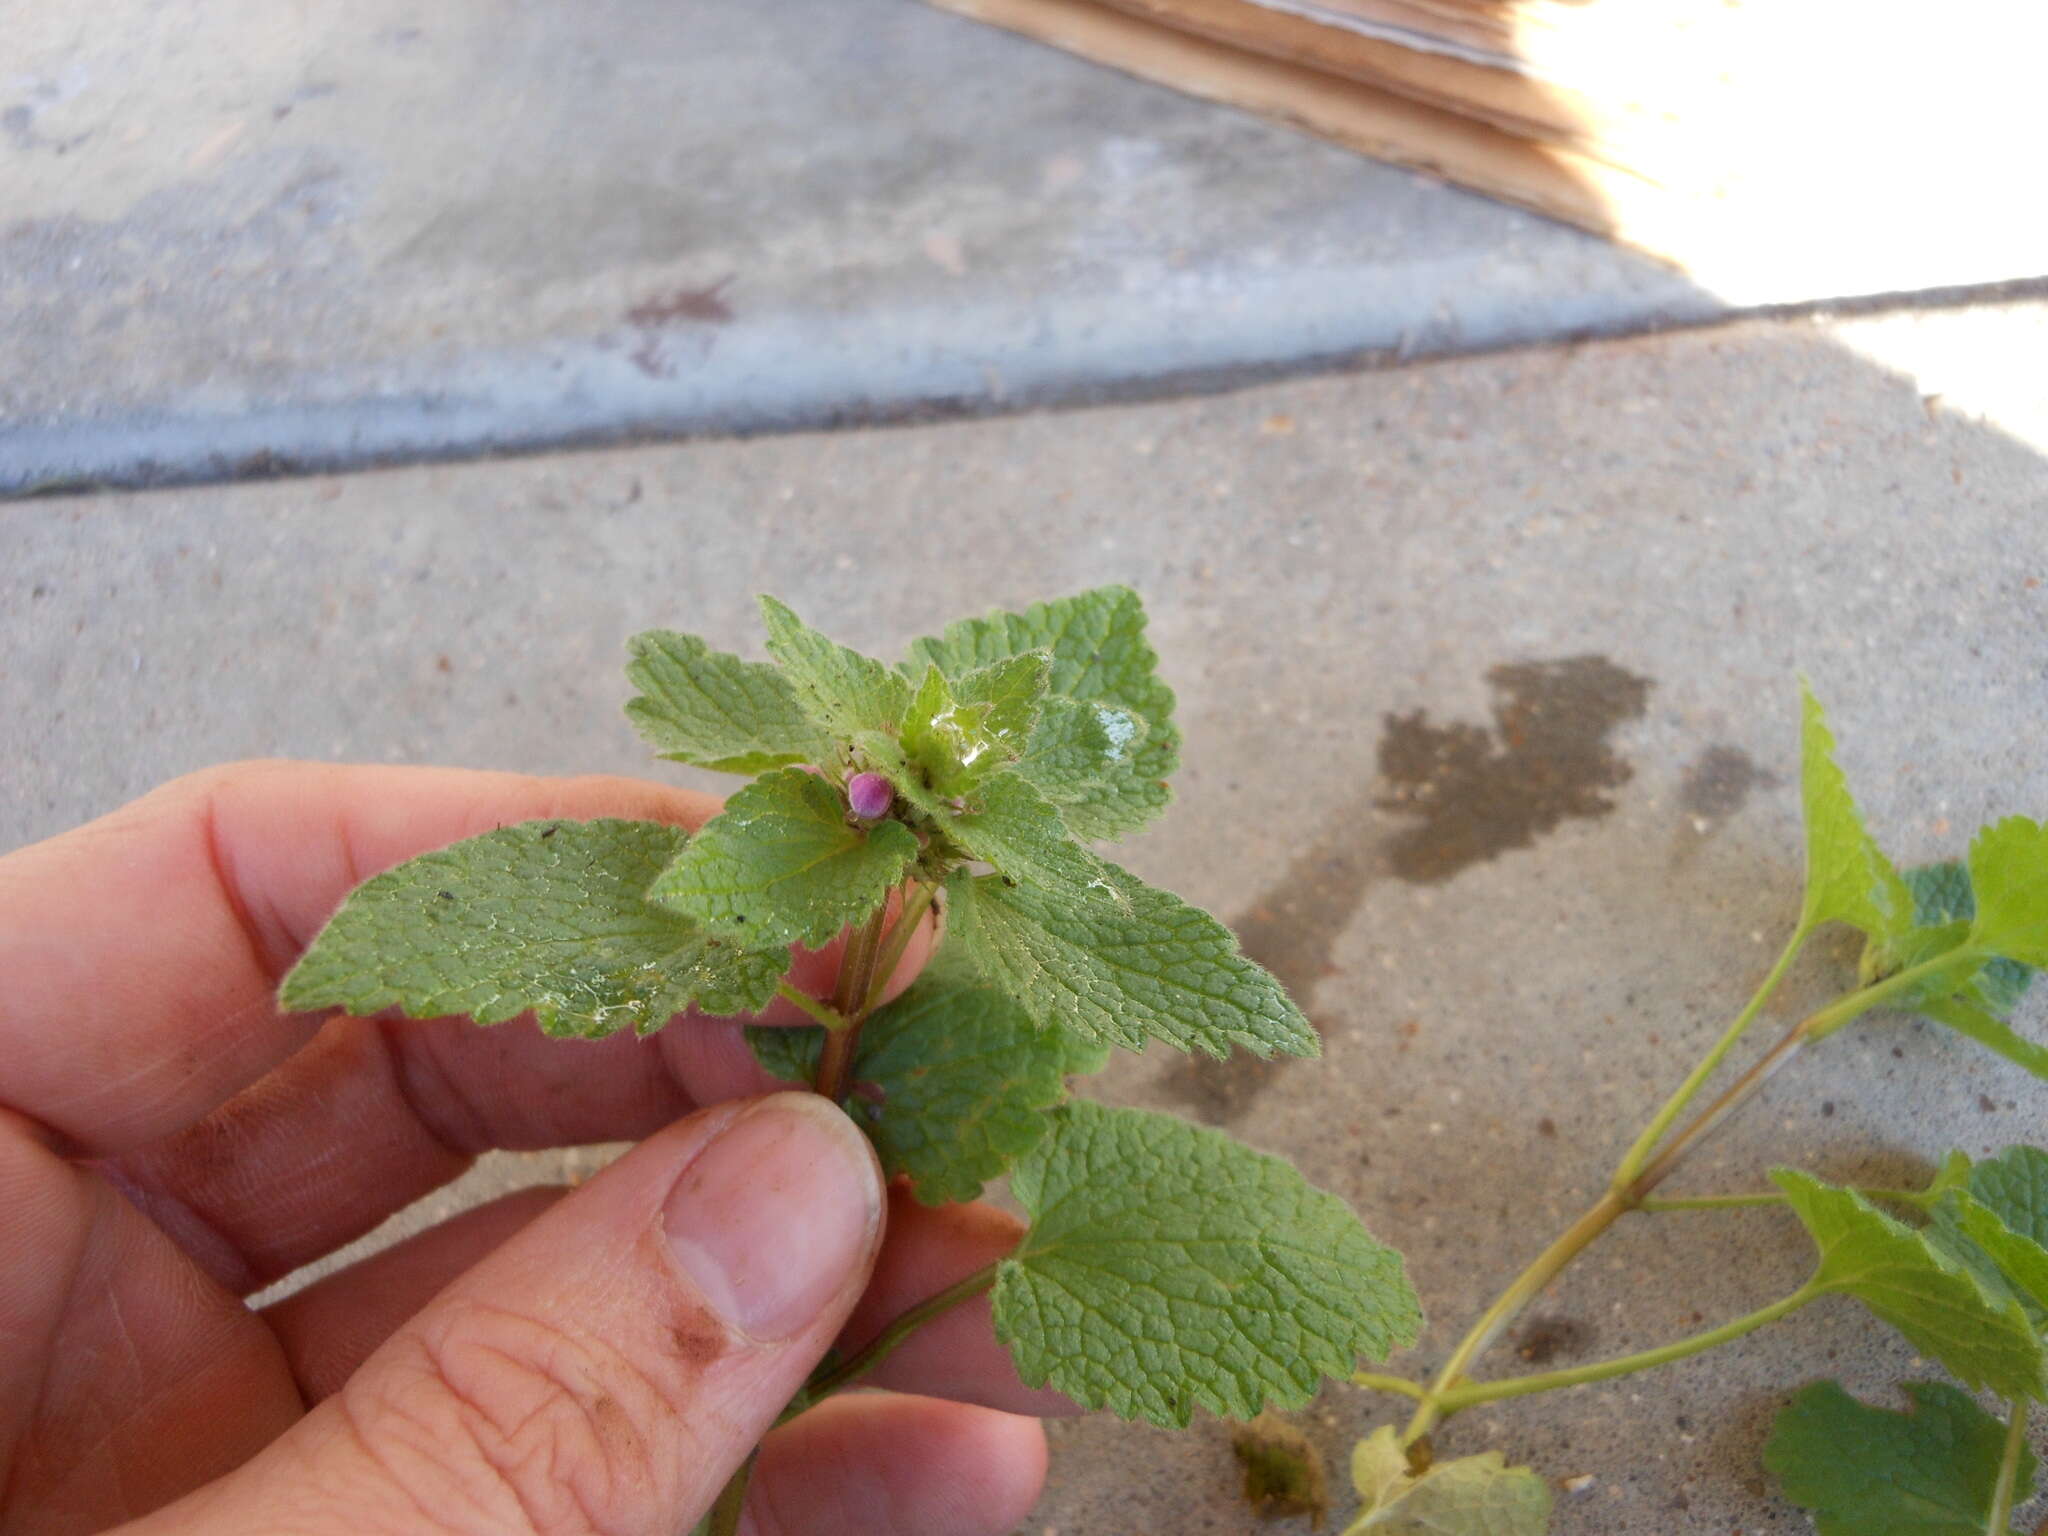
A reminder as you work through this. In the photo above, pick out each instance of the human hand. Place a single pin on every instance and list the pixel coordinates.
(595, 1361)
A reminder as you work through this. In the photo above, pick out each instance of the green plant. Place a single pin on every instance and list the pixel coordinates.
(1165, 1266)
(1967, 1286)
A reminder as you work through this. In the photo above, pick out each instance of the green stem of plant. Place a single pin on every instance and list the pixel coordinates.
(1628, 1195)
(1769, 1197)
(1637, 1155)
(732, 1499)
(883, 1344)
(849, 999)
(1999, 1521)
(915, 905)
(823, 1012)
(1401, 1386)
(1518, 1295)
(1624, 1365)
(1708, 1120)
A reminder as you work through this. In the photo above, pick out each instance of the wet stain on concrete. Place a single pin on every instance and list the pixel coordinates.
(1291, 929)
(656, 319)
(1476, 793)
(1720, 780)
(704, 304)
(1544, 1339)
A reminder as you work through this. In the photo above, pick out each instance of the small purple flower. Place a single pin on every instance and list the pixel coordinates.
(870, 795)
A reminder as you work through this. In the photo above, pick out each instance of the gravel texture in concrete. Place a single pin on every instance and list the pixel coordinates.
(1487, 669)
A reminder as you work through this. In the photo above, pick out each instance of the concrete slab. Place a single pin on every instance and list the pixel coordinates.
(1708, 514)
(237, 237)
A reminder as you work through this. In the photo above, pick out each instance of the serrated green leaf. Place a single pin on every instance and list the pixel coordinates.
(1079, 747)
(1848, 878)
(782, 865)
(1152, 967)
(842, 690)
(1010, 825)
(2014, 1184)
(964, 1080)
(710, 708)
(2009, 876)
(550, 916)
(1943, 1310)
(1099, 655)
(1864, 1471)
(1169, 1266)
(2019, 1258)
(1944, 909)
(786, 1052)
(1471, 1496)
(957, 734)
(1989, 1031)
(1996, 1223)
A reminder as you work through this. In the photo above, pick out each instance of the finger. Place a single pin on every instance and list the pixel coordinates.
(376, 1113)
(912, 1466)
(329, 1328)
(608, 1367)
(126, 1377)
(142, 951)
(955, 1355)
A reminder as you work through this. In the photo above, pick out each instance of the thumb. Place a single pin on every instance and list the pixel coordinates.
(610, 1366)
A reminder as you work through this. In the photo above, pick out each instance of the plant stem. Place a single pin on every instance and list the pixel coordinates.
(1624, 1365)
(1639, 1154)
(1768, 1197)
(1625, 1195)
(856, 974)
(883, 1344)
(912, 912)
(1399, 1385)
(823, 1012)
(1999, 1522)
(1540, 1273)
(1738, 1093)
(732, 1498)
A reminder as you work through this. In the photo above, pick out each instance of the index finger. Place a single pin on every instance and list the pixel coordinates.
(143, 950)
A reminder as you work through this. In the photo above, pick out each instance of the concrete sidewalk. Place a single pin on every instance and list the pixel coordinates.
(1650, 539)
(238, 238)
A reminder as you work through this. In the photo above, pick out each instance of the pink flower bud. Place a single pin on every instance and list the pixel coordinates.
(870, 795)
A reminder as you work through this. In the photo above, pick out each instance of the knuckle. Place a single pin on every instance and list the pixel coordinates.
(498, 1422)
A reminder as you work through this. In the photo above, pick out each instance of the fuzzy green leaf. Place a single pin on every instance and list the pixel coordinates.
(1096, 640)
(550, 916)
(842, 690)
(1079, 748)
(1944, 1311)
(1149, 967)
(1944, 908)
(2019, 1258)
(1988, 1030)
(2014, 1184)
(1996, 1223)
(1013, 827)
(1471, 1496)
(1863, 1471)
(1169, 1266)
(960, 733)
(710, 708)
(1848, 878)
(963, 1078)
(782, 865)
(2009, 875)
